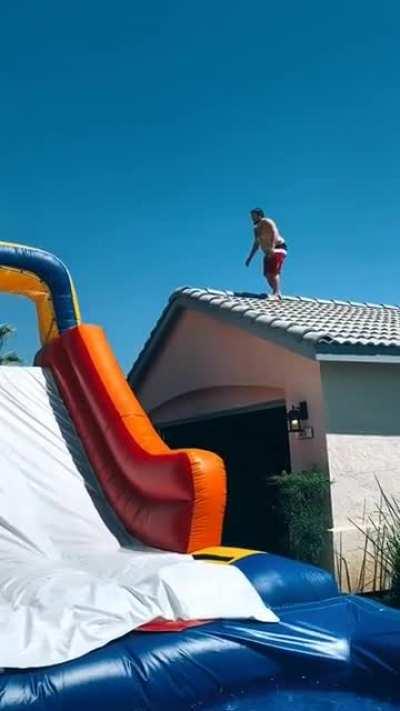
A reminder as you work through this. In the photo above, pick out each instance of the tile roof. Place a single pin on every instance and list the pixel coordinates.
(306, 325)
(315, 320)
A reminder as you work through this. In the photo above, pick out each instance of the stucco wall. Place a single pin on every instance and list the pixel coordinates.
(363, 441)
(202, 354)
(214, 400)
(207, 366)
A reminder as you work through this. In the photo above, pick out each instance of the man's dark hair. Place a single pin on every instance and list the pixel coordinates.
(258, 211)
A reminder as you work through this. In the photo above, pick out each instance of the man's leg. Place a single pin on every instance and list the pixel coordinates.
(274, 282)
(274, 271)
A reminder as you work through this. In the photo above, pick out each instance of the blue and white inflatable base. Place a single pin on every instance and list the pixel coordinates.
(334, 652)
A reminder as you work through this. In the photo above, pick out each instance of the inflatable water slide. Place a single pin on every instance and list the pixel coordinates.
(115, 592)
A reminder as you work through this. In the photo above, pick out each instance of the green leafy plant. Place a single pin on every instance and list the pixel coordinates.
(303, 506)
(10, 357)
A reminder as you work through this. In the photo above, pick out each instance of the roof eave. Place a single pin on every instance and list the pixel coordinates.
(332, 352)
(240, 319)
(180, 302)
(142, 364)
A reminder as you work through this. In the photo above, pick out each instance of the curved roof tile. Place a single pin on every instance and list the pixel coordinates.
(310, 319)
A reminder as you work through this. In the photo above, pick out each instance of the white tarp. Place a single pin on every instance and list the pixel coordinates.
(71, 579)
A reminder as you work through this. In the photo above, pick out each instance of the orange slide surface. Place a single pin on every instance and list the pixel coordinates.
(169, 499)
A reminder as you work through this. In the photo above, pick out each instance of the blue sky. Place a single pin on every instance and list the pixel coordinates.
(134, 138)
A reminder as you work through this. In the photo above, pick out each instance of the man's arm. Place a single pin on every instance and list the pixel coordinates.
(252, 252)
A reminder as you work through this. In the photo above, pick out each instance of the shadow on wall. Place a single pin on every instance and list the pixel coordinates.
(362, 398)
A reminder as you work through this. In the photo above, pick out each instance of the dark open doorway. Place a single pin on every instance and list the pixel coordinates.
(254, 446)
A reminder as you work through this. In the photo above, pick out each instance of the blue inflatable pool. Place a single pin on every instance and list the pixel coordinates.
(329, 651)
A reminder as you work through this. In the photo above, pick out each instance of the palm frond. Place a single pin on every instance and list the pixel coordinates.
(11, 357)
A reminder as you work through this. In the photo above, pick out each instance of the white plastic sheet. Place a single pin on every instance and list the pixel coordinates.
(71, 579)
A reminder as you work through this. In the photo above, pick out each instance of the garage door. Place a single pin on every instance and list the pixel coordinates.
(254, 446)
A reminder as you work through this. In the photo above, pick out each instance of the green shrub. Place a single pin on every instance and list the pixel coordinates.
(303, 508)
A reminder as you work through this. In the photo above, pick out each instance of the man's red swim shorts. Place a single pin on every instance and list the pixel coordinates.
(273, 262)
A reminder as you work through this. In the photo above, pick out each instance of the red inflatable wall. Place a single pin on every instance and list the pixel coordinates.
(173, 500)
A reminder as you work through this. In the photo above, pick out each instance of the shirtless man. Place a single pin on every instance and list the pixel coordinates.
(267, 237)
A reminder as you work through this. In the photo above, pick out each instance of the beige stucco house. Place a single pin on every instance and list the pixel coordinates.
(215, 356)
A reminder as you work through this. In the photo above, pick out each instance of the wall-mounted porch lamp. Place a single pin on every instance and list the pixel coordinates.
(296, 417)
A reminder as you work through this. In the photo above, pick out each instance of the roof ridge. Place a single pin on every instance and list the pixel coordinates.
(189, 290)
